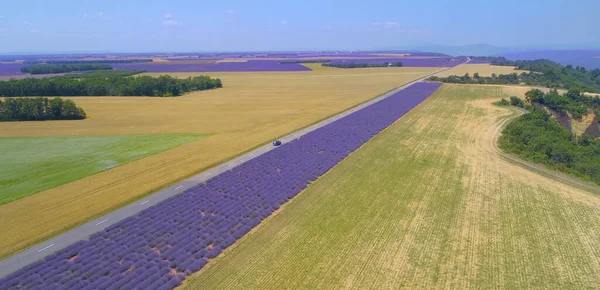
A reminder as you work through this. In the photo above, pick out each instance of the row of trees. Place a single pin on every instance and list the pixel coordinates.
(63, 68)
(362, 65)
(512, 78)
(541, 73)
(540, 138)
(107, 83)
(88, 61)
(573, 101)
(37, 109)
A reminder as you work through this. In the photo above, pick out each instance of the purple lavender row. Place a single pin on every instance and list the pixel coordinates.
(160, 246)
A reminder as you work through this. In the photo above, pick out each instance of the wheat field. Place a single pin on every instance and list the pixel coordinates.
(251, 109)
(429, 203)
(484, 70)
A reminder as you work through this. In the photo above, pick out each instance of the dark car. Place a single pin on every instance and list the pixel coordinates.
(276, 143)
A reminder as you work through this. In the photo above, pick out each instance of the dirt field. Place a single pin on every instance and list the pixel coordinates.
(429, 203)
(484, 70)
(252, 109)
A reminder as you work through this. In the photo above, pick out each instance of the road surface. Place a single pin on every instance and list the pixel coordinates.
(38, 252)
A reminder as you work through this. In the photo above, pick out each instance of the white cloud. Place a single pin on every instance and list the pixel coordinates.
(172, 22)
(230, 11)
(168, 15)
(28, 23)
(101, 15)
(386, 24)
(284, 22)
(34, 30)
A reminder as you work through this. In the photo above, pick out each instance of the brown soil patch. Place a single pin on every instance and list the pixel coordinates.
(130, 269)
(594, 128)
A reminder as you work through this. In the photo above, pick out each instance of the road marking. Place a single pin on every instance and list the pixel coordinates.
(101, 222)
(45, 248)
(179, 187)
(145, 202)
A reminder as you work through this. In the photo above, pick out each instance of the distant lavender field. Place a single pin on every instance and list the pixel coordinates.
(590, 59)
(8, 69)
(408, 61)
(12, 70)
(249, 66)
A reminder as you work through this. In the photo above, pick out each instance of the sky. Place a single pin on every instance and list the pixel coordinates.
(37, 26)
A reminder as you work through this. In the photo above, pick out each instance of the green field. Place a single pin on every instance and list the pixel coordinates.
(429, 203)
(32, 164)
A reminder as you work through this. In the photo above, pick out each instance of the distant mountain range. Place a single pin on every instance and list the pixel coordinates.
(565, 55)
(589, 59)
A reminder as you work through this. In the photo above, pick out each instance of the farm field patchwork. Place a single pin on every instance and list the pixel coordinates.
(38, 163)
(429, 203)
(251, 109)
(176, 237)
(484, 70)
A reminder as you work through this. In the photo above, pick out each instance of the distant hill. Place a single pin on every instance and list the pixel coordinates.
(590, 59)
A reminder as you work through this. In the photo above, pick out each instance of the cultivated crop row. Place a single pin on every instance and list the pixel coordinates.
(159, 247)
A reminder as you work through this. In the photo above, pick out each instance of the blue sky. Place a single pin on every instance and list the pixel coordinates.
(196, 25)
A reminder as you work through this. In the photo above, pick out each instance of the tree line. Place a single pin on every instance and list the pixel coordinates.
(88, 61)
(362, 65)
(107, 83)
(63, 68)
(540, 138)
(541, 73)
(38, 109)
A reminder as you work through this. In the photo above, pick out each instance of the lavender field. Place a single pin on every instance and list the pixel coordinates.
(164, 244)
(9, 69)
(256, 62)
(407, 61)
(248, 66)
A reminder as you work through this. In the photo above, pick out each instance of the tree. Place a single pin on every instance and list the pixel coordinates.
(29, 109)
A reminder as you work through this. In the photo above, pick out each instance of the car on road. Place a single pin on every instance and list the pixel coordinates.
(276, 143)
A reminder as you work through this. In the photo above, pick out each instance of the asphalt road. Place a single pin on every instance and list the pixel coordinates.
(38, 252)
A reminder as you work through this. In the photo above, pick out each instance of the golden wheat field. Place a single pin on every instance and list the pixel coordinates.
(429, 203)
(484, 70)
(251, 109)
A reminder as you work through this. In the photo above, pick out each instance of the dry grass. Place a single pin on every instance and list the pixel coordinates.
(252, 109)
(319, 67)
(430, 203)
(484, 70)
